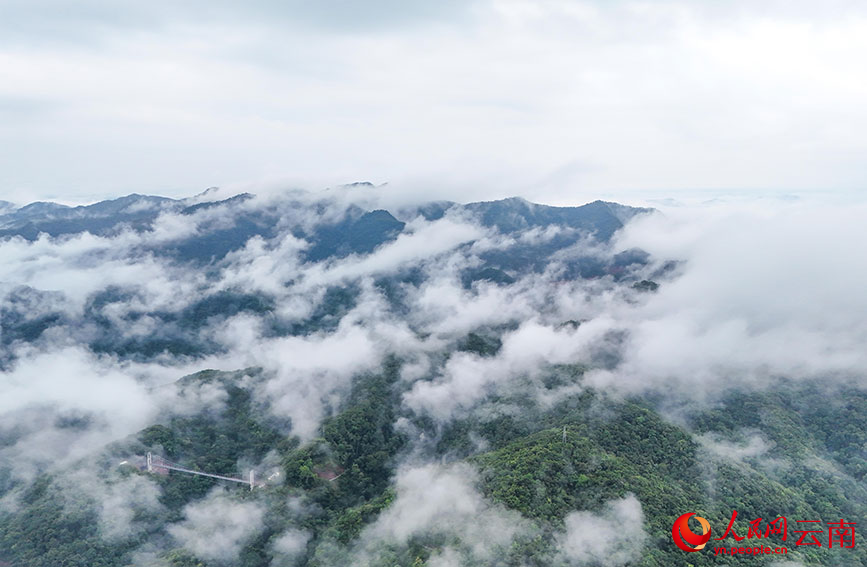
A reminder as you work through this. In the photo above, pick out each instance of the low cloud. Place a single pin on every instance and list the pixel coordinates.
(125, 504)
(753, 445)
(764, 291)
(217, 527)
(290, 546)
(307, 375)
(746, 295)
(443, 502)
(526, 355)
(613, 538)
(761, 290)
(421, 240)
(63, 405)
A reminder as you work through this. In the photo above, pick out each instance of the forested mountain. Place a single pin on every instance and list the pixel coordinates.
(437, 384)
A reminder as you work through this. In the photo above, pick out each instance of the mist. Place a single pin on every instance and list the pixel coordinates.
(746, 294)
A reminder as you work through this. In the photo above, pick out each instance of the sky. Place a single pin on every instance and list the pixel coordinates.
(708, 111)
(557, 101)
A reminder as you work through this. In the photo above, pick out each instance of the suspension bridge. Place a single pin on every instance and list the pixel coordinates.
(159, 465)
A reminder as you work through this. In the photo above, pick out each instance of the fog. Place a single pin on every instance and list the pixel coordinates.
(556, 101)
(749, 292)
(765, 292)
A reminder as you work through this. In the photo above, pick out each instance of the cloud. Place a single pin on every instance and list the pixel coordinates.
(421, 241)
(125, 504)
(435, 501)
(218, 526)
(526, 353)
(765, 291)
(290, 545)
(753, 446)
(82, 264)
(91, 21)
(441, 503)
(555, 100)
(613, 538)
(307, 375)
(751, 284)
(759, 290)
(61, 406)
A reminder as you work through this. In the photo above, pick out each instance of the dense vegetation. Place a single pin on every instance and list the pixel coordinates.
(576, 455)
(536, 449)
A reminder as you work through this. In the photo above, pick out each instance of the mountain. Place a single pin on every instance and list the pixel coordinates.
(509, 215)
(6, 207)
(436, 385)
(208, 232)
(356, 231)
(359, 233)
(100, 218)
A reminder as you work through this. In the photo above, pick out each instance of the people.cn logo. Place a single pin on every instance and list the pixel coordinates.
(685, 538)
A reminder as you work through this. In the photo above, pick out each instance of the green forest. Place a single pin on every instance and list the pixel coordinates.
(542, 463)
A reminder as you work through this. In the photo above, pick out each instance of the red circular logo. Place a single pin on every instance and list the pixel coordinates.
(685, 538)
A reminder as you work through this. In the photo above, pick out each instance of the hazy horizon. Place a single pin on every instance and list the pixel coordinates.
(462, 100)
(415, 372)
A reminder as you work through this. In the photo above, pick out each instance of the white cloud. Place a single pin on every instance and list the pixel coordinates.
(309, 374)
(765, 291)
(217, 527)
(123, 502)
(290, 545)
(82, 264)
(754, 445)
(443, 500)
(537, 98)
(613, 538)
(422, 240)
(68, 404)
(466, 379)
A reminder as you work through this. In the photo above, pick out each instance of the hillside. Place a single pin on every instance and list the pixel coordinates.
(442, 384)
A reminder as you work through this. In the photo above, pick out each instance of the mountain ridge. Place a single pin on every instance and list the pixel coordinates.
(140, 211)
